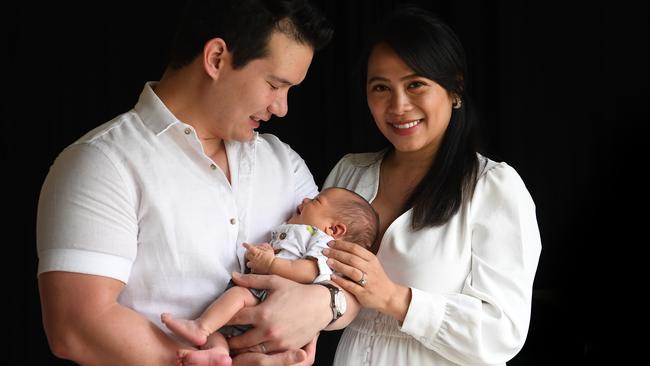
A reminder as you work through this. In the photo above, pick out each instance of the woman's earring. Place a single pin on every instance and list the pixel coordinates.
(458, 103)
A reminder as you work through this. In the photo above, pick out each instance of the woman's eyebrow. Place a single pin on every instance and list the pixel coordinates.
(380, 78)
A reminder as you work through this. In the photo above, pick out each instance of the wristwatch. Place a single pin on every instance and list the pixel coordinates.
(337, 301)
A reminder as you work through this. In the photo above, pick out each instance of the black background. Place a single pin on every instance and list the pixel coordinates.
(559, 86)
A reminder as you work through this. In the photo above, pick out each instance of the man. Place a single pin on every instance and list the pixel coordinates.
(147, 212)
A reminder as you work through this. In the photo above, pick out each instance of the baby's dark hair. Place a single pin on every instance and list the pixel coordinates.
(360, 218)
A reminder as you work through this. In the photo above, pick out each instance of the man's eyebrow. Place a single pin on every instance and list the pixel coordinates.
(281, 80)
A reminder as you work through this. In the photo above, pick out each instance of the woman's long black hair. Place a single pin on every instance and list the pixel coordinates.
(432, 49)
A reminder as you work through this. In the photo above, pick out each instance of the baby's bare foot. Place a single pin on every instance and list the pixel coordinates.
(207, 357)
(188, 329)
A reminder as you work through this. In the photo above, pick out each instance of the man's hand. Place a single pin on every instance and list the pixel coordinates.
(259, 257)
(297, 357)
(291, 316)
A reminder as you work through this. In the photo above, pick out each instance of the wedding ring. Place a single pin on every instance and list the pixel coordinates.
(362, 282)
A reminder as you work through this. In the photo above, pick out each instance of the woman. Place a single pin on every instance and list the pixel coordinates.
(452, 277)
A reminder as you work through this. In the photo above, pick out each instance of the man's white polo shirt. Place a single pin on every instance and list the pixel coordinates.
(136, 199)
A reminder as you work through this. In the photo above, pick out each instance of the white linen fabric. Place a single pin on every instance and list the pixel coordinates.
(471, 278)
(136, 199)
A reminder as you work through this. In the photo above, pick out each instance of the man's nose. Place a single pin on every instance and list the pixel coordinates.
(279, 107)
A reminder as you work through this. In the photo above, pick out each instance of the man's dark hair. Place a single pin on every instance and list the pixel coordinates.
(361, 220)
(246, 27)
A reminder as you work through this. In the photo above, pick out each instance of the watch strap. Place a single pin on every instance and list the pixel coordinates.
(333, 290)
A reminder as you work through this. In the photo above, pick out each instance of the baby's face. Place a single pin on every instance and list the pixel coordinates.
(318, 212)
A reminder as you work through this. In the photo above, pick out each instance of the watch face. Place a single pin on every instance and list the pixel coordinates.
(341, 304)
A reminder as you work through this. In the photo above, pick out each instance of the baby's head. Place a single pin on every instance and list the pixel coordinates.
(340, 213)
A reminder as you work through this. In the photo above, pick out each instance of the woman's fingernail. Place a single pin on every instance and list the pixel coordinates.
(330, 262)
(236, 274)
(326, 251)
(330, 243)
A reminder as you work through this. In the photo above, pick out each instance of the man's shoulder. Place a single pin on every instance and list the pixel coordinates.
(110, 141)
(125, 126)
(270, 140)
(270, 146)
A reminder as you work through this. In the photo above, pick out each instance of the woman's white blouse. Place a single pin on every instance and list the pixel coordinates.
(471, 279)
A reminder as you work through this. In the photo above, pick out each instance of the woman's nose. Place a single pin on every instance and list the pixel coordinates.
(399, 103)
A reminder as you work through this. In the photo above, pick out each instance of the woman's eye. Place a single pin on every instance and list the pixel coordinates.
(415, 85)
(378, 88)
(273, 87)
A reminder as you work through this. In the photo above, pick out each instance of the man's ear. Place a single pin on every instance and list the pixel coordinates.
(337, 230)
(215, 56)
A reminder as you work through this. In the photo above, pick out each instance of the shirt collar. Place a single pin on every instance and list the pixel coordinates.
(158, 118)
(153, 112)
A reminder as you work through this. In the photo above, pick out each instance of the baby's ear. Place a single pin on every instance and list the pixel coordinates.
(337, 230)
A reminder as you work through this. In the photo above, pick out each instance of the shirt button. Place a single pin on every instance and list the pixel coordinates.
(233, 221)
(213, 167)
(187, 131)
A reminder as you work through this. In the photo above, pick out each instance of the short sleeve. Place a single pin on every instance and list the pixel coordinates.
(86, 217)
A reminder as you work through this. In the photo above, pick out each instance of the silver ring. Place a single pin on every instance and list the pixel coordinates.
(362, 282)
(263, 347)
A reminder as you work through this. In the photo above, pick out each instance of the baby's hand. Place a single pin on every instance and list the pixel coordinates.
(260, 257)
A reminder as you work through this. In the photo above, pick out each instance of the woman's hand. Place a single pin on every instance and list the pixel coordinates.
(366, 280)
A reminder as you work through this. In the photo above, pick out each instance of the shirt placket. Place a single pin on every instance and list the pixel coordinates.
(244, 167)
(228, 191)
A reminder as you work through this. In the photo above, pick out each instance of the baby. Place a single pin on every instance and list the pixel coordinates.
(295, 252)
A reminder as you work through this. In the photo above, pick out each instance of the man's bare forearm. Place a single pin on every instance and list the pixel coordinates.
(84, 323)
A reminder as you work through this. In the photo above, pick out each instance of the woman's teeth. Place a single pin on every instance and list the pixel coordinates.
(407, 125)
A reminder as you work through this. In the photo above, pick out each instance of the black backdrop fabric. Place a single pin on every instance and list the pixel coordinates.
(558, 85)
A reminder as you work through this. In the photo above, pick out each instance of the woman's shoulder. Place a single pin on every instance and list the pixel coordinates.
(488, 166)
(361, 159)
(355, 171)
(499, 174)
